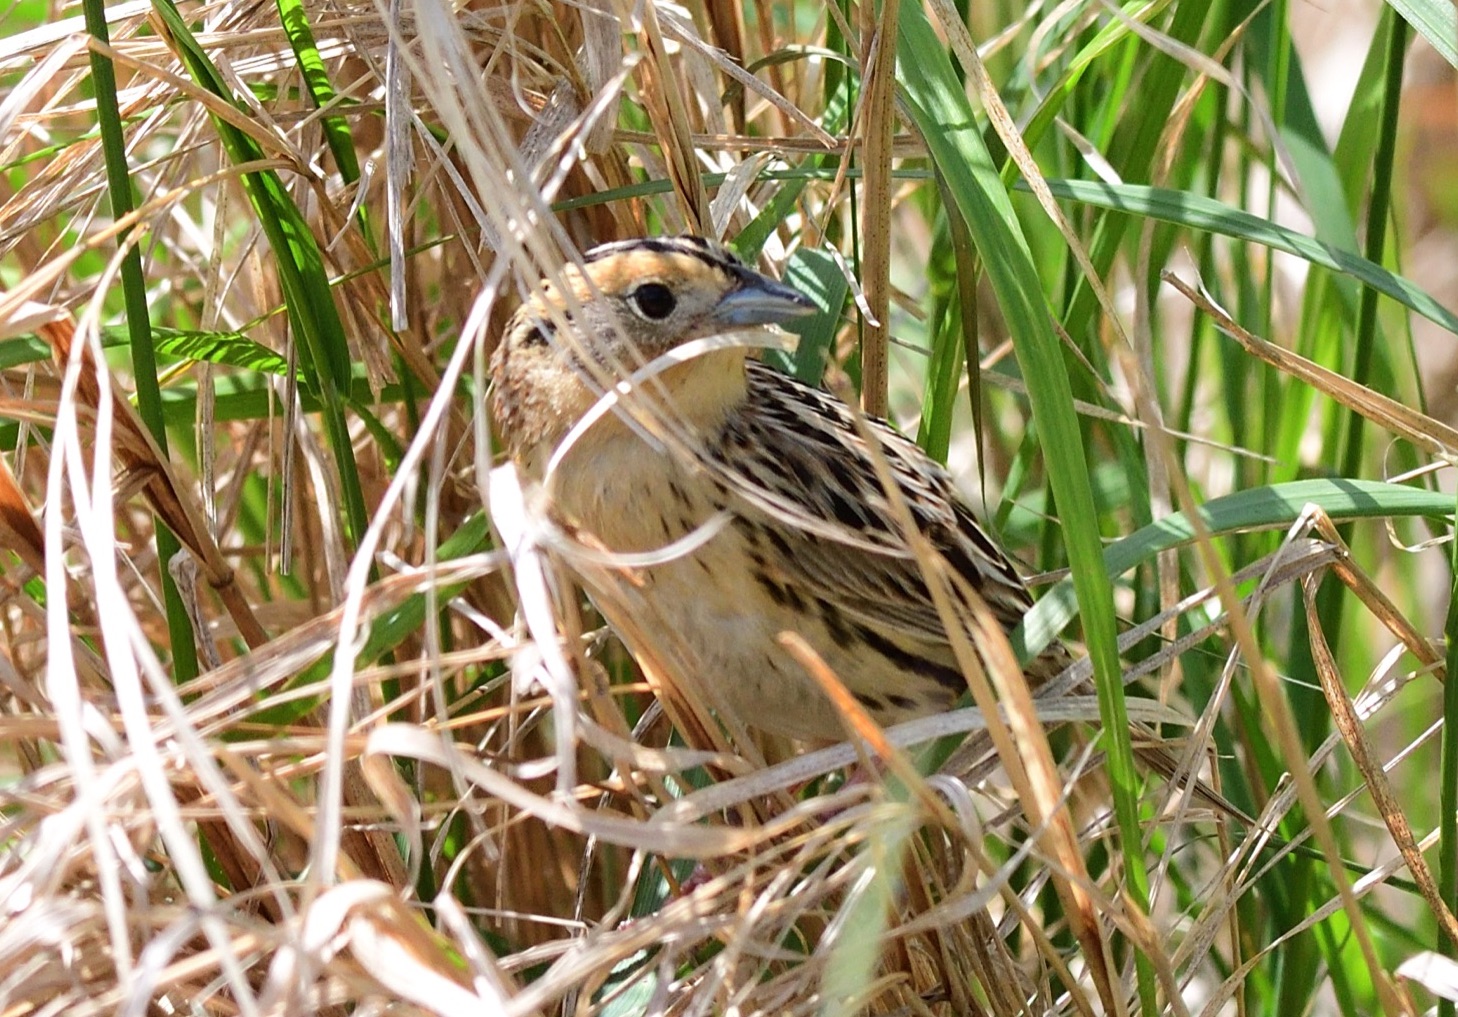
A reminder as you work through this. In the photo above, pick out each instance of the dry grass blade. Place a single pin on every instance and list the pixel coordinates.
(1423, 431)
(1377, 601)
(1027, 757)
(668, 109)
(173, 501)
(1434, 972)
(1370, 767)
(18, 530)
(1368, 764)
(861, 725)
(471, 769)
(876, 119)
(362, 932)
(1305, 788)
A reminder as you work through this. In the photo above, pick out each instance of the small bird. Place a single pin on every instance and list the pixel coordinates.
(806, 540)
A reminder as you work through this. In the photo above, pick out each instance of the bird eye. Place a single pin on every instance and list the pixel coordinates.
(653, 301)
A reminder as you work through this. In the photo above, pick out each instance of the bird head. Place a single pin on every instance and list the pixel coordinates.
(625, 304)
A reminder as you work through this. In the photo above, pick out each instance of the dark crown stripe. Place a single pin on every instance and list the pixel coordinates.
(706, 251)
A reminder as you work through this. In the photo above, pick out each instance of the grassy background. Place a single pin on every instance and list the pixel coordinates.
(273, 740)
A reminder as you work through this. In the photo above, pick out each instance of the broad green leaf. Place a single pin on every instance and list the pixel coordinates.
(1436, 21)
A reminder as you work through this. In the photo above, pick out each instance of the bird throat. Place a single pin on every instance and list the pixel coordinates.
(602, 480)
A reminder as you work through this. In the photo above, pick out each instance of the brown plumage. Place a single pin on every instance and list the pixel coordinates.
(805, 539)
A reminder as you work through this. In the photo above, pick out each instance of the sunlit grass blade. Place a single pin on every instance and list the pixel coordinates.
(939, 107)
(307, 295)
(1196, 212)
(1256, 509)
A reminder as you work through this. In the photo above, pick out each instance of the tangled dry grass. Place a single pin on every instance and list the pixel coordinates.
(292, 725)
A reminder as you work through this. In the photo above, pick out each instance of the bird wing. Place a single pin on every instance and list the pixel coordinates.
(804, 482)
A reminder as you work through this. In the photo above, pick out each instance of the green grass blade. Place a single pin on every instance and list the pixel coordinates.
(300, 263)
(1261, 508)
(1053, 101)
(139, 329)
(1196, 212)
(1447, 861)
(295, 21)
(951, 279)
(226, 349)
(815, 274)
(1436, 21)
(1132, 151)
(1377, 209)
(938, 105)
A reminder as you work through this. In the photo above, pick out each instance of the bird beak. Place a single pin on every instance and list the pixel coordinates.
(760, 300)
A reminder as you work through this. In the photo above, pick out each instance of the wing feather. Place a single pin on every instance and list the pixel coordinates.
(818, 501)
